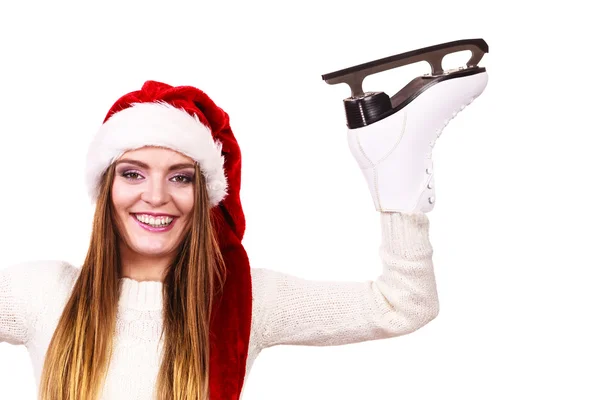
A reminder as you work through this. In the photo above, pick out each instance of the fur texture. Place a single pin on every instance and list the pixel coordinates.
(157, 124)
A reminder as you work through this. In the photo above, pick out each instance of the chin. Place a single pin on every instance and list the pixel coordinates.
(152, 244)
(153, 249)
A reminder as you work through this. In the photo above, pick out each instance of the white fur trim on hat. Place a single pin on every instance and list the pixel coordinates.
(156, 124)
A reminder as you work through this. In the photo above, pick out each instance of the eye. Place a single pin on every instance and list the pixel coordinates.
(131, 175)
(182, 179)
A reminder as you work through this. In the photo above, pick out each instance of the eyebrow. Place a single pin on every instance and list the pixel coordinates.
(144, 165)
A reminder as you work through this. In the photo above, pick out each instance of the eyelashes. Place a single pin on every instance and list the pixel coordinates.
(185, 178)
(182, 178)
(131, 175)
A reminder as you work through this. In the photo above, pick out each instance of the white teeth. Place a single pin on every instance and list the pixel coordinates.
(156, 222)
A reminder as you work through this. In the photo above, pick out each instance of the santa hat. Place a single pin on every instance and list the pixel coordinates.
(186, 120)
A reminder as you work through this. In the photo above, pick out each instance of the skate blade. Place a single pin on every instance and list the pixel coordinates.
(434, 55)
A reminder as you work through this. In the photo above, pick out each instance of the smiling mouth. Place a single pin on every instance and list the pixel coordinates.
(154, 221)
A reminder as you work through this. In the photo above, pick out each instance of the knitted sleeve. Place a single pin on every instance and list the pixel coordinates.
(403, 298)
(14, 307)
(28, 292)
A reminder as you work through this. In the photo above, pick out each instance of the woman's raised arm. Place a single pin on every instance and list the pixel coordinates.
(292, 310)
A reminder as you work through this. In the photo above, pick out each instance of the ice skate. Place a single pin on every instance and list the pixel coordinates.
(392, 138)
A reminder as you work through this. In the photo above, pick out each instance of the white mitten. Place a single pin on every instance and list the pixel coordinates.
(394, 153)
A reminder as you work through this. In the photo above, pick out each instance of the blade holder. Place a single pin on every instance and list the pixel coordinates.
(354, 76)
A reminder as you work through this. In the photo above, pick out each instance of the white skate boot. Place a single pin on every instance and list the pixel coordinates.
(392, 138)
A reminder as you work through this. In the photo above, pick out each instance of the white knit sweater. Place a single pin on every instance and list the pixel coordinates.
(286, 309)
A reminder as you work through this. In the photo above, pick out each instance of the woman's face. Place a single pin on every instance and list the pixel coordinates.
(153, 197)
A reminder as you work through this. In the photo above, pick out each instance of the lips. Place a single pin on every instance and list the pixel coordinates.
(156, 221)
(154, 214)
(153, 222)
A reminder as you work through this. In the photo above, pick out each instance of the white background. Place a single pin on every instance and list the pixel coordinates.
(514, 230)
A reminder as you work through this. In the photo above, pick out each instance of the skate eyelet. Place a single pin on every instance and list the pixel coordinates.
(431, 199)
(429, 186)
(428, 171)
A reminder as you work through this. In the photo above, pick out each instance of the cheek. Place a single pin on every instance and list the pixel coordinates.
(184, 201)
(123, 196)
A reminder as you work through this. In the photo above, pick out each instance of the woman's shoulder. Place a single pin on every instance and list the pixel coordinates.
(32, 293)
(36, 275)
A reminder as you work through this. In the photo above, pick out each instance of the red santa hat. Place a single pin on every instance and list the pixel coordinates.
(186, 120)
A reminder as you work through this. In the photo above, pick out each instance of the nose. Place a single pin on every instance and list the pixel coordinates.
(155, 193)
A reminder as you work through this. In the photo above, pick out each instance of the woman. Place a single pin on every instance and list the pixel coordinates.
(165, 304)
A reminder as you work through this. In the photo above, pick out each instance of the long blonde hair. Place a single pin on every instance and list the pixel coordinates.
(79, 353)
